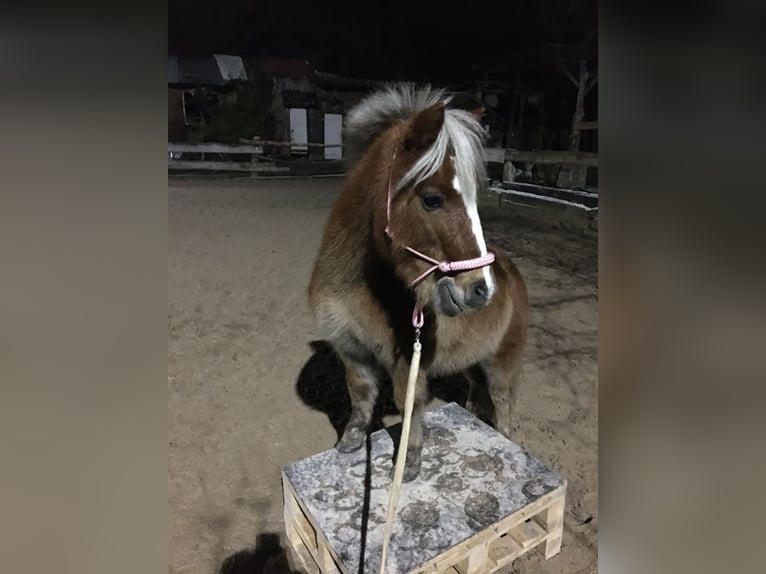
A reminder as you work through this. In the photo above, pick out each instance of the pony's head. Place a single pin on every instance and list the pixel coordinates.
(436, 168)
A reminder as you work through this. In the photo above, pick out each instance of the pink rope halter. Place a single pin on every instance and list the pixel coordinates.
(443, 266)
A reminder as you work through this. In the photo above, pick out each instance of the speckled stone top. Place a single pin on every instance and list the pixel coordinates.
(471, 477)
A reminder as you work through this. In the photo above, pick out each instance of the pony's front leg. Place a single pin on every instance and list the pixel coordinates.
(362, 384)
(415, 446)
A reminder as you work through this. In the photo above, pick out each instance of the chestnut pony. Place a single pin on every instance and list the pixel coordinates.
(412, 192)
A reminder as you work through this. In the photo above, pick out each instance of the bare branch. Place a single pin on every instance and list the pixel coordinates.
(591, 84)
(568, 73)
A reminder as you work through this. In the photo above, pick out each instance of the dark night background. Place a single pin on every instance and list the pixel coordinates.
(397, 40)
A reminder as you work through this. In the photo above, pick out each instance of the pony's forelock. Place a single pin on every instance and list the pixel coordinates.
(460, 138)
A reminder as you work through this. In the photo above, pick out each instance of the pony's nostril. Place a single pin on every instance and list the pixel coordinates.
(479, 292)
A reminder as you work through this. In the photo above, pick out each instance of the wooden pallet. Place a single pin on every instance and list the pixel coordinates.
(538, 526)
(537, 523)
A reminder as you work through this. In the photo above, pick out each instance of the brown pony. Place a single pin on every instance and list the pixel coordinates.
(429, 160)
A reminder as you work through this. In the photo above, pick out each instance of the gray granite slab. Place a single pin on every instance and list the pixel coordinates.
(471, 477)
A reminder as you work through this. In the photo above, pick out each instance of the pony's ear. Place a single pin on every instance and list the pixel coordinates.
(425, 128)
(478, 113)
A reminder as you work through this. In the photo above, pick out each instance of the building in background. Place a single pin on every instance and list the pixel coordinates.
(196, 86)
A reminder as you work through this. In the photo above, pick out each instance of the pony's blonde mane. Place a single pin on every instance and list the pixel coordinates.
(461, 136)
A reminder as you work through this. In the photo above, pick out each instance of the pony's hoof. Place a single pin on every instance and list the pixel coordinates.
(353, 438)
(481, 412)
(411, 471)
(505, 430)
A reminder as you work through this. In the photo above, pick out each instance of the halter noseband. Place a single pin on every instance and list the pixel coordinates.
(443, 266)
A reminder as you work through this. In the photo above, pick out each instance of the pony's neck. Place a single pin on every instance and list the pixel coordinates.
(368, 188)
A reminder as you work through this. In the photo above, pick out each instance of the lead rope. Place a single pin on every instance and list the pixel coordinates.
(409, 403)
(409, 400)
(401, 457)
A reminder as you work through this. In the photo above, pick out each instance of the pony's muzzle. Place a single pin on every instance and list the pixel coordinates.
(477, 294)
(449, 298)
(457, 294)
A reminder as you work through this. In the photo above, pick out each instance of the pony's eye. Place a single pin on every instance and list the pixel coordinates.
(433, 201)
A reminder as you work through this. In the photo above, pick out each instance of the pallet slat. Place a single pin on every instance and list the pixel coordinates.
(504, 551)
(528, 534)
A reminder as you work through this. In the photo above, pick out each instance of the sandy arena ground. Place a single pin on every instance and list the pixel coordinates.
(248, 393)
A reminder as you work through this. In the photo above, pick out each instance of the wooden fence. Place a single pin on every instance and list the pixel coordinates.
(257, 162)
(548, 157)
(218, 156)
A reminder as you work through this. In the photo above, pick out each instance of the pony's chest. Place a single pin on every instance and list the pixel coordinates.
(458, 349)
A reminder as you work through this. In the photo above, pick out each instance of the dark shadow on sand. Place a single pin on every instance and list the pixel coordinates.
(322, 386)
(267, 556)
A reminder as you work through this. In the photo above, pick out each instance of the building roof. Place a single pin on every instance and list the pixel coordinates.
(215, 70)
(231, 67)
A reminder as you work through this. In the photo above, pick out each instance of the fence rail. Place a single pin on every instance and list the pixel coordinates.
(214, 148)
(255, 165)
(289, 144)
(500, 155)
(179, 164)
(261, 163)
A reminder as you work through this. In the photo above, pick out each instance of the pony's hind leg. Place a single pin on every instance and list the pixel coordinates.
(362, 384)
(479, 400)
(502, 381)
